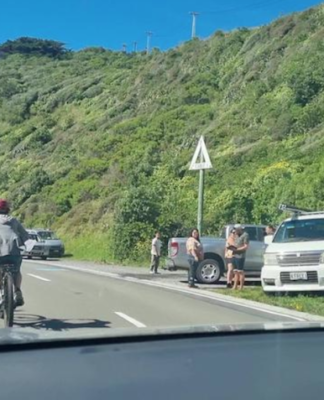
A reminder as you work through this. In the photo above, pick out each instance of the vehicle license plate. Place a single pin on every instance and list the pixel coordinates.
(298, 276)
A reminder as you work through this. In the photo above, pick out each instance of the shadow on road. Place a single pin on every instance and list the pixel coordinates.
(57, 325)
(250, 282)
(67, 255)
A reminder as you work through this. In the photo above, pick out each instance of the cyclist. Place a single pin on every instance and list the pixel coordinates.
(12, 236)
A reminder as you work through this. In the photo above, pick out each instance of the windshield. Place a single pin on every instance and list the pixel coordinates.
(300, 230)
(147, 146)
(33, 237)
(47, 235)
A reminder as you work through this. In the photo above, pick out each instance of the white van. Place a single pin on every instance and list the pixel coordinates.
(294, 260)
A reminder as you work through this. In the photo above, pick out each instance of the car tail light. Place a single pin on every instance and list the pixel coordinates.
(174, 249)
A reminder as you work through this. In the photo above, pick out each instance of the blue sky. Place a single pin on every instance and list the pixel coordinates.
(110, 23)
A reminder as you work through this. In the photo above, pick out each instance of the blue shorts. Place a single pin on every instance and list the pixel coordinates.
(238, 264)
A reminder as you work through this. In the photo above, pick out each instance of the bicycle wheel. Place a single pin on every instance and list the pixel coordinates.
(1, 303)
(8, 301)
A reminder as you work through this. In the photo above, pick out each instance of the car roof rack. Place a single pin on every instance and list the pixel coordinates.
(298, 211)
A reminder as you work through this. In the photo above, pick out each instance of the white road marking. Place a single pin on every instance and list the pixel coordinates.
(130, 319)
(40, 278)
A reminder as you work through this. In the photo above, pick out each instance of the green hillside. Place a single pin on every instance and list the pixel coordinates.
(96, 144)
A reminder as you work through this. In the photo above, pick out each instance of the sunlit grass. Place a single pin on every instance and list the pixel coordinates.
(96, 248)
(92, 247)
(312, 303)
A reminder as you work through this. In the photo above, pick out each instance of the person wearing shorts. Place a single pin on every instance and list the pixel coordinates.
(242, 244)
(229, 256)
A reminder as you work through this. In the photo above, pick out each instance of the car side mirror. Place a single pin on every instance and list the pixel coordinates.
(268, 239)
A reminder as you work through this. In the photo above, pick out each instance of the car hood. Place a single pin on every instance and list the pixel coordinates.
(295, 246)
(53, 242)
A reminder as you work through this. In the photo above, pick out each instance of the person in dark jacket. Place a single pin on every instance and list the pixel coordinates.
(12, 236)
(242, 245)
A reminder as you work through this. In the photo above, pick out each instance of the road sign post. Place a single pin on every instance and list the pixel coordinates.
(200, 218)
(201, 153)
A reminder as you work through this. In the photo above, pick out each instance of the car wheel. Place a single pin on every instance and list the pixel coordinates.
(44, 257)
(209, 271)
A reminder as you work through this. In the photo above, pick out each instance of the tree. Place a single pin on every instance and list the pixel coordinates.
(32, 46)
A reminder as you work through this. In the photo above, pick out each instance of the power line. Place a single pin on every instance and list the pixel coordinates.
(243, 7)
(180, 29)
(194, 14)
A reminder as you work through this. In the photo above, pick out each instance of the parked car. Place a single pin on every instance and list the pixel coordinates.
(212, 268)
(294, 260)
(43, 243)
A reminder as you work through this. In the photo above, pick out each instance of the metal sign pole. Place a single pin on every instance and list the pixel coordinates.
(200, 219)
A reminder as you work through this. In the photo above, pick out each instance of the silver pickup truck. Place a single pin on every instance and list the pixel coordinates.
(212, 268)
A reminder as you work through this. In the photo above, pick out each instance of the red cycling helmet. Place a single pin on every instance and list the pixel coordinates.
(4, 206)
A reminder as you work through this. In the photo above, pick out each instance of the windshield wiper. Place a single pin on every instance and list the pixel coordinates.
(310, 239)
(287, 240)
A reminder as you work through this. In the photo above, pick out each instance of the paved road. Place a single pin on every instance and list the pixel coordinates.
(64, 300)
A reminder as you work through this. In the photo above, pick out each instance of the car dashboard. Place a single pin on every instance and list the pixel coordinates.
(209, 363)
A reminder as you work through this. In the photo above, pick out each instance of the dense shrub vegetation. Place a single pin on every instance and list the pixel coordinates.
(96, 144)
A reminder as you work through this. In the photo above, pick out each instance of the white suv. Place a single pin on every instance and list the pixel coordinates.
(294, 260)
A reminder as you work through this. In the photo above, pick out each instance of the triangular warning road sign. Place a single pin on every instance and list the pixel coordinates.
(201, 159)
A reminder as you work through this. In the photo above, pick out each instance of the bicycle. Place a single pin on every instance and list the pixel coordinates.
(7, 304)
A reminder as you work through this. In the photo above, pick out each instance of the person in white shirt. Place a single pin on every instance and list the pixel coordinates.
(195, 252)
(155, 253)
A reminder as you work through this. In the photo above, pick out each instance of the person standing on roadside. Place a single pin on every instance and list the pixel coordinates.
(229, 255)
(196, 254)
(270, 230)
(155, 253)
(242, 244)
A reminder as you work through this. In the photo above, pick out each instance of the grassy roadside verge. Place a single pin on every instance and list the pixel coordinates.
(312, 304)
(96, 247)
